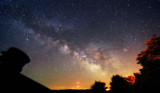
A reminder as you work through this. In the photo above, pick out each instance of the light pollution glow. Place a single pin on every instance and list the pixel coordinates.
(95, 63)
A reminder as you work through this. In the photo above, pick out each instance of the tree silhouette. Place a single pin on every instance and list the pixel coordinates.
(98, 87)
(151, 55)
(120, 84)
(130, 79)
(149, 79)
(136, 85)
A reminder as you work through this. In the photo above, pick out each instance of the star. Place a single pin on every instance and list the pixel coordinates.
(70, 40)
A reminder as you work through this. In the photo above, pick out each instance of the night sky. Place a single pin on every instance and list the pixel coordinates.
(78, 41)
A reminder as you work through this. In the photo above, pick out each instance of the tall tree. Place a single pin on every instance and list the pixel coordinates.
(149, 79)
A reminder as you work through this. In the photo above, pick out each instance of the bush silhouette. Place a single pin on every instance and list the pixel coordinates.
(120, 84)
(98, 87)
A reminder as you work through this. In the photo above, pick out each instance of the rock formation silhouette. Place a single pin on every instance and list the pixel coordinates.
(11, 80)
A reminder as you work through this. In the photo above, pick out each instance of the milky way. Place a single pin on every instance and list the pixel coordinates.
(72, 41)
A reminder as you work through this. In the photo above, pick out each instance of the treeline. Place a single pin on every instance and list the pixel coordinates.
(147, 81)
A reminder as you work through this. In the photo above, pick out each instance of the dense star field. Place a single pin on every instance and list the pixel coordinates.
(72, 43)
